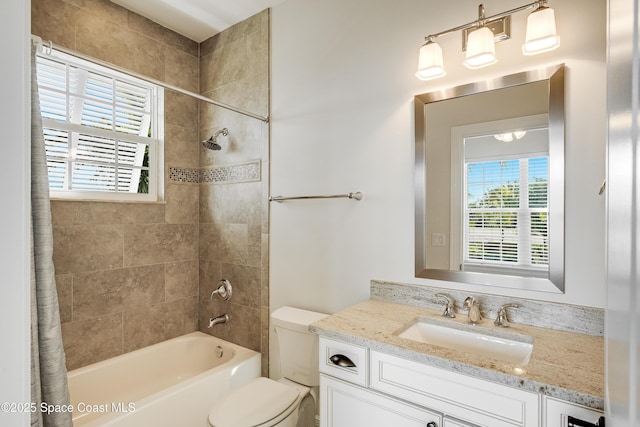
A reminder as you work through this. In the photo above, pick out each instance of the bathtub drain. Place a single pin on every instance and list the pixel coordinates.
(219, 351)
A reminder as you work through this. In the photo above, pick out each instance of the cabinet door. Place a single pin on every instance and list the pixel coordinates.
(476, 401)
(558, 411)
(451, 422)
(346, 405)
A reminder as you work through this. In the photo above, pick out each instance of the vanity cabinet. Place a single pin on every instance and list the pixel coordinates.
(463, 397)
(346, 405)
(450, 422)
(557, 413)
(362, 387)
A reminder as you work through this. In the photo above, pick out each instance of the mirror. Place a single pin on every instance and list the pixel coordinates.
(489, 174)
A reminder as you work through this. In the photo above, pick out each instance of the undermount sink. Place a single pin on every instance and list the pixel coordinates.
(497, 344)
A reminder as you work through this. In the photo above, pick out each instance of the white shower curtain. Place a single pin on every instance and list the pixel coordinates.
(48, 366)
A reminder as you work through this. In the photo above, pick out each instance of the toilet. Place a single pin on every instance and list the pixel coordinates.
(290, 401)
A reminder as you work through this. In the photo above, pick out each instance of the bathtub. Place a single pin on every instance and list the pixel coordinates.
(173, 383)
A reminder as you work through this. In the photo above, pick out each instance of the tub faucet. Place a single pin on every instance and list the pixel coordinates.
(224, 318)
(474, 310)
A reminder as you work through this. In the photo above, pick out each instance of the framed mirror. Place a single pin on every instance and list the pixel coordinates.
(489, 182)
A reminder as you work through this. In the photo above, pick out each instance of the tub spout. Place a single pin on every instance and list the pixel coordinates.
(224, 318)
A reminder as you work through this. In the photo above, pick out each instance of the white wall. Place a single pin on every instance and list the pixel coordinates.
(14, 227)
(342, 120)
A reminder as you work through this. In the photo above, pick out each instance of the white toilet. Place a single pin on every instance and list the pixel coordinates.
(288, 402)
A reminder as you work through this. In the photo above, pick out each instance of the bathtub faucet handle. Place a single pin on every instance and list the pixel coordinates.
(224, 290)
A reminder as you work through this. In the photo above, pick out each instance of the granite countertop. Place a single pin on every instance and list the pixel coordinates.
(565, 365)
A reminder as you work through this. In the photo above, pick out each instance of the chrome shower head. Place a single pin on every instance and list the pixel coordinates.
(211, 143)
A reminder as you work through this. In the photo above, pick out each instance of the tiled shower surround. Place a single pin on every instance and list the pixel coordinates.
(133, 274)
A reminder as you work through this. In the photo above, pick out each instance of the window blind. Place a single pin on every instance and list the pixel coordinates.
(505, 213)
(98, 127)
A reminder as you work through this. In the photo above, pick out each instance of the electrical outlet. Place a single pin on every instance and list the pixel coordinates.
(437, 239)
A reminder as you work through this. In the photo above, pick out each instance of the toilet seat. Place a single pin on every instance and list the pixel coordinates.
(262, 402)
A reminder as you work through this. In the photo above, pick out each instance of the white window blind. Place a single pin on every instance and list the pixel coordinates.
(505, 213)
(100, 130)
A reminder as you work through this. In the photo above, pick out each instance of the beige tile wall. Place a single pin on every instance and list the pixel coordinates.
(133, 274)
(127, 273)
(234, 233)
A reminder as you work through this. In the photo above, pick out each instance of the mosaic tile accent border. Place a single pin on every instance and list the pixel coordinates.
(246, 172)
(185, 175)
(242, 172)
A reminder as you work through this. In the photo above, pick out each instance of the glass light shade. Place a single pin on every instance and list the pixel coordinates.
(430, 64)
(519, 134)
(504, 137)
(509, 136)
(481, 49)
(541, 32)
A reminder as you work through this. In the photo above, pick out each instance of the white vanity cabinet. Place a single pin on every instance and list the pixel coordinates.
(557, 413)
(450, 422)
(346, 405)
(463, 397)
(362, 387)
(385, 390)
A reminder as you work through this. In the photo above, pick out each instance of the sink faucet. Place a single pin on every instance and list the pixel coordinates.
(224, 318)
(502, 315)
(448, 308)
(474, 310)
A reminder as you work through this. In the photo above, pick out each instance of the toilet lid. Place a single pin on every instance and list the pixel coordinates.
(253, 404)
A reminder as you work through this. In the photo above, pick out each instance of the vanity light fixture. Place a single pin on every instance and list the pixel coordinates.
(541, 31)
(481, 49)
(430, 64)
(479, 37)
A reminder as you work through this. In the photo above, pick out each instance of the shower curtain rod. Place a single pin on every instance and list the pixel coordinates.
(50, 45)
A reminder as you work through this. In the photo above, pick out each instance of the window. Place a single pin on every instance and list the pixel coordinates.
(101, 130)
(505, 213)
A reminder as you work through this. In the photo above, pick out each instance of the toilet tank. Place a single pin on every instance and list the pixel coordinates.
(297, 346)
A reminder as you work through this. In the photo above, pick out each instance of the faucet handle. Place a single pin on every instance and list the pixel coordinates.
(224, 290)
(448, 308)
(501, 318)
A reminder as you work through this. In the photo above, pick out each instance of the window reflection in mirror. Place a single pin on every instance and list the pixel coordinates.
(504, 209)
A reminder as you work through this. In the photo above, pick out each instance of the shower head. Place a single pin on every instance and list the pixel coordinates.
(211, 143)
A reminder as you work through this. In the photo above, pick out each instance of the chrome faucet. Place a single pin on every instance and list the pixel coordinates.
(501, 319)
(474, 310)
(224, 290)
(448, 308)
(224, 318)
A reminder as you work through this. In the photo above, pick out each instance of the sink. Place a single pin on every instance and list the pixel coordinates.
(497, 344)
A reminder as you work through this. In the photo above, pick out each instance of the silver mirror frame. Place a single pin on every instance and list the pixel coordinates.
(555, 281)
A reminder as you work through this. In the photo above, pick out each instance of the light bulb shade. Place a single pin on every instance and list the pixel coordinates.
(519, 134)
(509, 136)
(430, 63)
(481, 49)
(541, 32)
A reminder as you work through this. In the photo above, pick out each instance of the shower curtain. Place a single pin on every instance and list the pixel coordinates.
(48, 366)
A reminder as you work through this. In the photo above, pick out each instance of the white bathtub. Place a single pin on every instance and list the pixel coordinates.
(173, 383)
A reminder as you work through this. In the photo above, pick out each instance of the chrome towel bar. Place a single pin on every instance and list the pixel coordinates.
(356, 196)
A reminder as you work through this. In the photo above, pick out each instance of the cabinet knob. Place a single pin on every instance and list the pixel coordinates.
(342, 360)
(432, 424)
